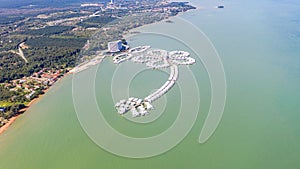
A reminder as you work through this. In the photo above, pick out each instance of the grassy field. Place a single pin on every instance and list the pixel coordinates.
(6, 103)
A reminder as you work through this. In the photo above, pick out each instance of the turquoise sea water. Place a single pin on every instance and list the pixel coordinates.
(258, 43)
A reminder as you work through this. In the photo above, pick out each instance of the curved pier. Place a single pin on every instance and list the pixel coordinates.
(156, 59)
(166, 87)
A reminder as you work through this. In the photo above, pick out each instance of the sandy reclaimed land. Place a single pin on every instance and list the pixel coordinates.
(11, 120)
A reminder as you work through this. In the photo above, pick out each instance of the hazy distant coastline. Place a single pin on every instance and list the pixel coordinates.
(42, 3)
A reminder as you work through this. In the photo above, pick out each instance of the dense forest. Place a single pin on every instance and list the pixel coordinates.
(49, 30)
(10, 19)
(49, 47)
(38, 58)
(43, 52)
(98, 21)
(41, 42)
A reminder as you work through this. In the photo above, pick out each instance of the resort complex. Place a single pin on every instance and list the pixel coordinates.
(41, 44)
(156, 59)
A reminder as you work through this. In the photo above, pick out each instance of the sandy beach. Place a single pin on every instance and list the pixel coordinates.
(11, 120)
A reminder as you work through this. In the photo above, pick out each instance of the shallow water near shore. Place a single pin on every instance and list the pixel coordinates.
(258, 43)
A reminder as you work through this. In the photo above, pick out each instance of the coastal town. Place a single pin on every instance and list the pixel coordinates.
(40, 46)
(25, 90)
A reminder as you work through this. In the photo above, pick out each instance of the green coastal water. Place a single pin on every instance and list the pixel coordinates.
(258, 43)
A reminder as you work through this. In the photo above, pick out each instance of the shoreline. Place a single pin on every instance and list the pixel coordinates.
(32, 102)
(127, 34)
(136, 31)
(78, 69)
(9, 123)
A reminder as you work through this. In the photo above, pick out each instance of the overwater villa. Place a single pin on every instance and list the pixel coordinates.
(157, 59)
